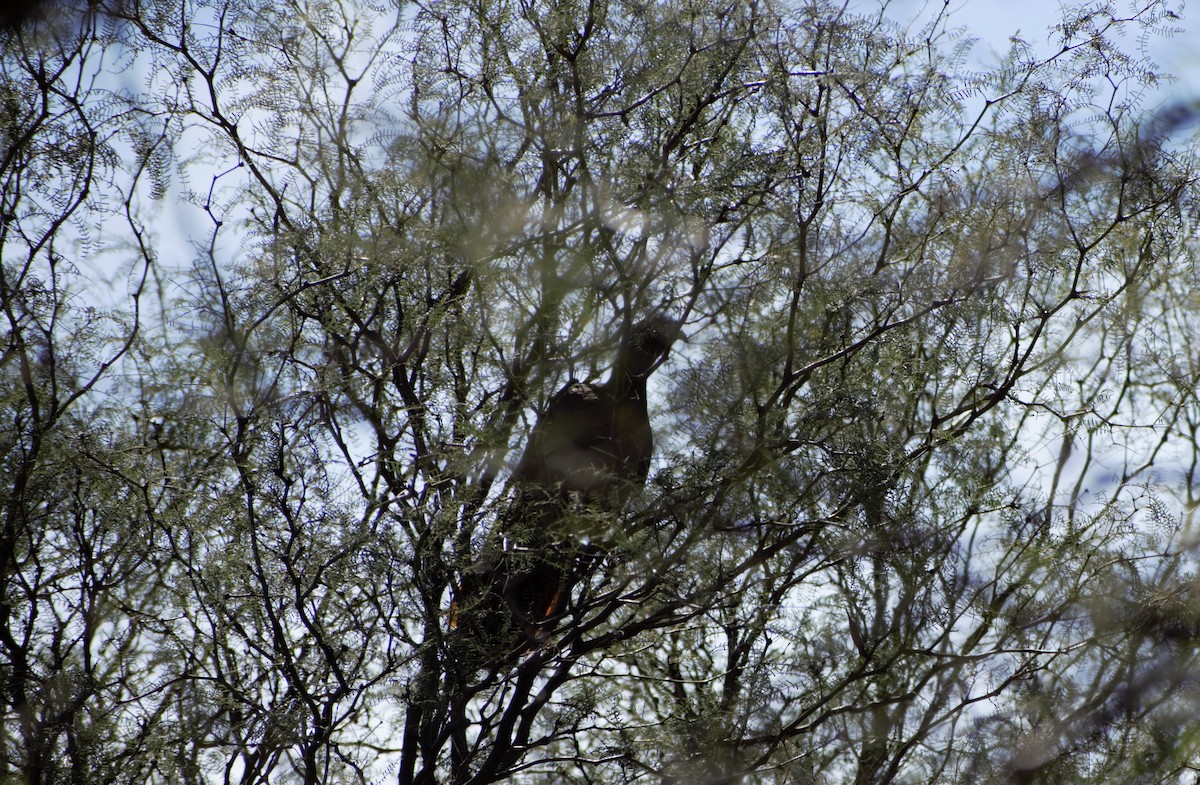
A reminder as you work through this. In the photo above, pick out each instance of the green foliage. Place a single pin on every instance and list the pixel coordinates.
(920, 508)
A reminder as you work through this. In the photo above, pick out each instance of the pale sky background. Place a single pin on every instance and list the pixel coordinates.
(994, 21)
(991, 21)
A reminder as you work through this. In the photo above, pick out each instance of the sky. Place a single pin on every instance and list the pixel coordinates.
(994, 21)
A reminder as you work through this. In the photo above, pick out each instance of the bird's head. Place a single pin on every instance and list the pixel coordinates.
(647, 344)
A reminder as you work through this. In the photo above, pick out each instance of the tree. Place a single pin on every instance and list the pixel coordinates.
(920, 504)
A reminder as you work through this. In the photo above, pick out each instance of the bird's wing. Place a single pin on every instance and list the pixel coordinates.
(568, 440)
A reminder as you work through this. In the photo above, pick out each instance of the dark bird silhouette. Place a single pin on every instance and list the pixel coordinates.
(17, 12)
(589, 452)
(593, 444)
(22, 14)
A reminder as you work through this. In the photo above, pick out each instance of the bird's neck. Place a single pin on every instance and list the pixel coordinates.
(628, 385)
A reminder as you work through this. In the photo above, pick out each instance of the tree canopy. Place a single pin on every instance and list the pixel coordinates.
(287, 287)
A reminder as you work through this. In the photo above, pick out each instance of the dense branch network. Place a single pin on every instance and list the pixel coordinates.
(590, 450)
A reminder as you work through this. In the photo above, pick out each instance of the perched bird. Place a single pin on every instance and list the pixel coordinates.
(593, 444)
(589, 452)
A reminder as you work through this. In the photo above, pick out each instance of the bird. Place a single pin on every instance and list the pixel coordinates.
(589, 451)
(593, 444)
(19, 12)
